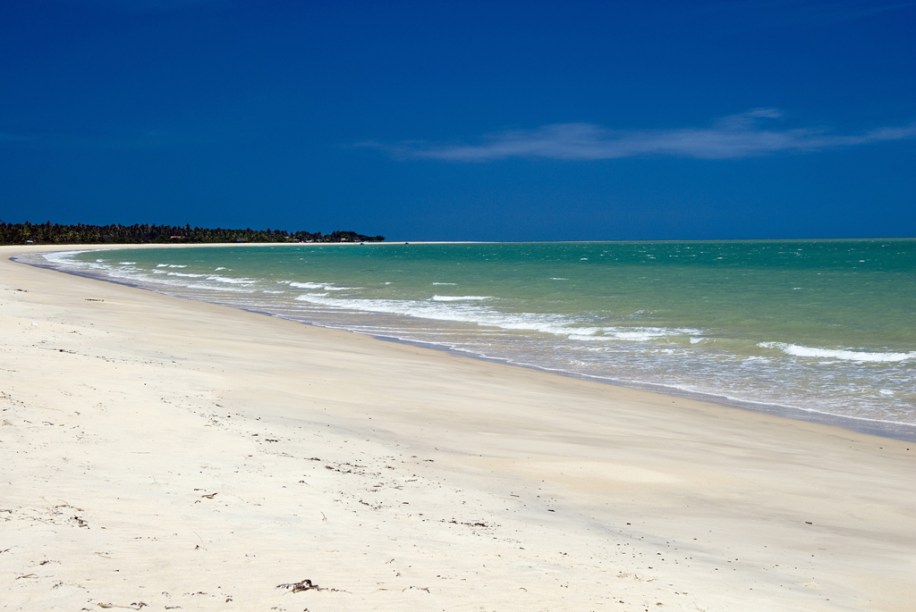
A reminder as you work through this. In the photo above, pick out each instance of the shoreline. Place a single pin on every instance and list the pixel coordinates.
(178, 453)
(891, 430)
(876, 427)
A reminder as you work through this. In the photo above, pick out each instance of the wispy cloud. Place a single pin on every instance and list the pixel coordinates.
(732, 137)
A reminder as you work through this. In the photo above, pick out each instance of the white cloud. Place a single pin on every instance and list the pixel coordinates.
(731, 137)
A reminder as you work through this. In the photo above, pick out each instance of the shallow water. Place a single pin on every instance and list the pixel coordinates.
(822, 328)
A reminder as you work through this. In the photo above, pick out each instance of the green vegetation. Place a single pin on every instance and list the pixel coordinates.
(54, 233)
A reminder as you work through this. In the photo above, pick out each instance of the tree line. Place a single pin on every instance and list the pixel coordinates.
(81, 233)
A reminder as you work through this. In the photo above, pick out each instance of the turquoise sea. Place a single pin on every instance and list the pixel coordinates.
(822, 330)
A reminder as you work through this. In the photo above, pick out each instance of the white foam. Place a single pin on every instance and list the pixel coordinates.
(468, 309)
(643, 334)
(633, 334)
(460, 298)
(61, 257)
(230, 281)
(463, 312)
(304, 285)
(797, 350)
(184, 274)
(229, 289)
(322, 286)
(426, 310)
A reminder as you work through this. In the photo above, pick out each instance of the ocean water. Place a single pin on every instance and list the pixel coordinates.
(819, 330)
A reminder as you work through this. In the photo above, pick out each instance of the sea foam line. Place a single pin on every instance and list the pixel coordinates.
(798, 350)
(310, 285)
(465, 309)
(461, 298)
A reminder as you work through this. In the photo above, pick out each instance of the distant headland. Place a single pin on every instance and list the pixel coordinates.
(81, 233)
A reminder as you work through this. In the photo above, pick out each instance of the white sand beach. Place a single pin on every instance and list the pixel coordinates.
(163, 454)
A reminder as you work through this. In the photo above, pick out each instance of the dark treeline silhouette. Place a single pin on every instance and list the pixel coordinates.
(54, 233)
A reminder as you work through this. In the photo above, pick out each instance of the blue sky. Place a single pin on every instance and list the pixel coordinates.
(427, 120)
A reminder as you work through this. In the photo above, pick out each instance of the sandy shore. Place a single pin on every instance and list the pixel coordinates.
(163, 454)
